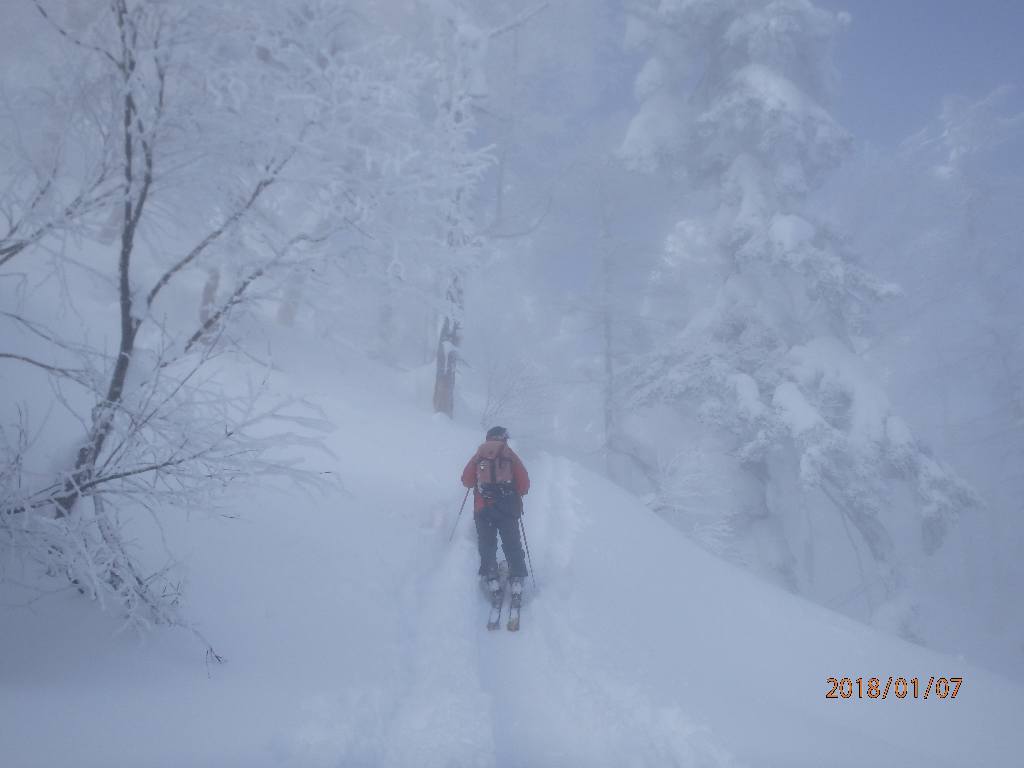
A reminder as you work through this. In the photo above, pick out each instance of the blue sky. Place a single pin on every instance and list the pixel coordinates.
(899, 58)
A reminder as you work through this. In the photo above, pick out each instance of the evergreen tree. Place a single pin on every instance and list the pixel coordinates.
(771, 306)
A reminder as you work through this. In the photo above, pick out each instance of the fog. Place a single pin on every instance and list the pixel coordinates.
(757, 264)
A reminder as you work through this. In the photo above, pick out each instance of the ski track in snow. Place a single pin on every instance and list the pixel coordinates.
(443, 718)
(552, 703)
(495, 699)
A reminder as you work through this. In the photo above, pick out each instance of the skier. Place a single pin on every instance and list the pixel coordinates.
(499, 481)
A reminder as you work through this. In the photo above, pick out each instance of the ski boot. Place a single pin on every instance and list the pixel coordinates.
(516, 590)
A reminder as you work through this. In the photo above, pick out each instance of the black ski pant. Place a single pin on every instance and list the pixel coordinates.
(490, 522)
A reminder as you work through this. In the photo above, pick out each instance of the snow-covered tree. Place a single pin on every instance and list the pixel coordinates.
(235, 149)
(947, 230)
(771, 306)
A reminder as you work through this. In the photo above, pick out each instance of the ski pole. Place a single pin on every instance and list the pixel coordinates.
(452, 534)
(529, 559)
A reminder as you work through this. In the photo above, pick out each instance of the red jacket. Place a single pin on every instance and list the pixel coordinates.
(519, 476)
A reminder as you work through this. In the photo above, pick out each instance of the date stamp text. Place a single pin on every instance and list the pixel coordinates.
(899, 687)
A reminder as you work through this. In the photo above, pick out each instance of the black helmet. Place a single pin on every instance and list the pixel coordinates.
(497, 433)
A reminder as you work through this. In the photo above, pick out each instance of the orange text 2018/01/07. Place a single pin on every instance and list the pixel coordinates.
(893, 687)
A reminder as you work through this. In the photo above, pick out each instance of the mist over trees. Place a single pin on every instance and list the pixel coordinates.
(232, 157)
(633, 232)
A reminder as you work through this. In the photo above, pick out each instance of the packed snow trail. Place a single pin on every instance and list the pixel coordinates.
(471, 697)
(552, 705)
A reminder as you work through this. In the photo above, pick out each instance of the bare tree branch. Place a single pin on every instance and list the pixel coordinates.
(243, 286)
(85, 202)
(67, 35)
(206, 242)
(70, 373)
(516, 23)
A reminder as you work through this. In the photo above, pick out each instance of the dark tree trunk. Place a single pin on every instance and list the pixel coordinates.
(134, 204)
(448, 342)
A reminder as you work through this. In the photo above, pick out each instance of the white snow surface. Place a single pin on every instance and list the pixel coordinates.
(354, 636)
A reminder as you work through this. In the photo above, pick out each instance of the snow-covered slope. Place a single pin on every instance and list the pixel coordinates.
(354, 634)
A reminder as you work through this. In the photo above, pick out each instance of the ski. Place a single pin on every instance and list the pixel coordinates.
(497, 601)
(515, 603)
(513, 614)
(495, 597)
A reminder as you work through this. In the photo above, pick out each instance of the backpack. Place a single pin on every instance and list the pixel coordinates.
(494, 478)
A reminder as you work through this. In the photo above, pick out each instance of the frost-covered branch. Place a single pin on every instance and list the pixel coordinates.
(331, 159)
(73, 39)
(273, 171)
